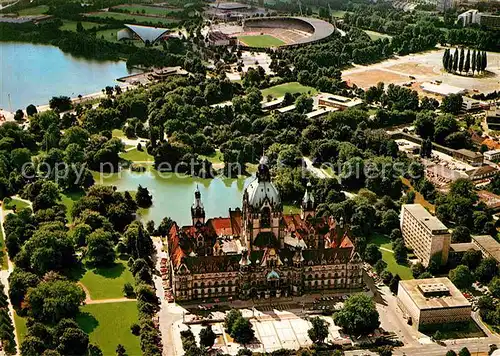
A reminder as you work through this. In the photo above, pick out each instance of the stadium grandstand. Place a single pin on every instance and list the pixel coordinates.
(288, 31)
(146, 34)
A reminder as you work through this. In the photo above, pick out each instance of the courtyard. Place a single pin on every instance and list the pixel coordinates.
(423, 67)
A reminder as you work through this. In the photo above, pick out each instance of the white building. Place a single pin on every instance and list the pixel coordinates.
(424, 233)
(492, 155)
(469, 17)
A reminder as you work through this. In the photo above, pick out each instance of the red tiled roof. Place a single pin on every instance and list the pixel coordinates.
(221, 226)
(176, 252)
(235, 216)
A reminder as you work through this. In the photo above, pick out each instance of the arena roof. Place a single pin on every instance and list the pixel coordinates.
(147, 33)
(322, 29)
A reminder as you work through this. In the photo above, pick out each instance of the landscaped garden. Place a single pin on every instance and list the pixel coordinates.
(108, 325)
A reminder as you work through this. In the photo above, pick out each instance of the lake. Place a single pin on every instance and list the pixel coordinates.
(173, 195)
(33, 73)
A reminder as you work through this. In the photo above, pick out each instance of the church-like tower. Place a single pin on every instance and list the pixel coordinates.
(197, 210)
(262, 211)
(307, 207)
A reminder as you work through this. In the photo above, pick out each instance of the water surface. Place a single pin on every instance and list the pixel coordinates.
(33, 73)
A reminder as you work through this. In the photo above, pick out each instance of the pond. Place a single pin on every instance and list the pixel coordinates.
(33, 73)
(173, 195)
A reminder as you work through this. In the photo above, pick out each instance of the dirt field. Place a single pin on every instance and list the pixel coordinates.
(425, 67)
(369, 77)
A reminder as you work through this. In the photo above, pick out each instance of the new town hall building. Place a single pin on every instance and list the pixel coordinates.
(258, 251)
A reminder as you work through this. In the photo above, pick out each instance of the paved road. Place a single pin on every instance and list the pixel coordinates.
(169, 313)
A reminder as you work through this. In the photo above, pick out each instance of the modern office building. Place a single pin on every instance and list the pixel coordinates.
(424, 233)
(475, 17)
(432, 301)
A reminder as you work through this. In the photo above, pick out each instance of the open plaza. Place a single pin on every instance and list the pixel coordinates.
(420, 68)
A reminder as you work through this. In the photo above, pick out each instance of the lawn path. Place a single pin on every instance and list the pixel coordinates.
(89, 300)
(386, 249)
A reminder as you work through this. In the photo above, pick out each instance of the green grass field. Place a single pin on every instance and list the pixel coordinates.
(37, 10)
(109, 325)
(383, 241)
(216, 157)
(71, 25)
(132, 18)
(17, 204)
(69, 199)
(148, 10)
(107, 282)
(377, 35)
(292, 88)
(339, 13)
(21, 328)
(135, 155)
(262, 41)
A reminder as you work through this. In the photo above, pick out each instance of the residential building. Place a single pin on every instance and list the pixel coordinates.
(425, 234)
(337, 101)
(260, 252)
(489, 247)
(432, 301)
(492, 155)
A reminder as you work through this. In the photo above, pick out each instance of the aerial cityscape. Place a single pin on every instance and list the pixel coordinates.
(250, 177)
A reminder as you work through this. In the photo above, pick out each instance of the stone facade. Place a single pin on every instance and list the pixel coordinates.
(259, 252)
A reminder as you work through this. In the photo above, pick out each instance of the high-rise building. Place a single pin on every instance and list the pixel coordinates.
(425, 234)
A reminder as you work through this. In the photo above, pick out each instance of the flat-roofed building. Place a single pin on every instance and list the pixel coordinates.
(481, 173)
(468, 156)
(320, 112)
(432, 301)
(470, 104)
(492, 155)
(489, 247)
(273, 104)
(441, 89)
(337, 101)
(424, 233)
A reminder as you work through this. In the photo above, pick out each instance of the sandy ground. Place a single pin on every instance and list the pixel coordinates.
(424, 67)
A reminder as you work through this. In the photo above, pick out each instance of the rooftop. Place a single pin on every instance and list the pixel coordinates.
(340, 99)
(442, 89)
(463, 247)
(420, 213)
(445, 294)
(489, 244)
(469, 153)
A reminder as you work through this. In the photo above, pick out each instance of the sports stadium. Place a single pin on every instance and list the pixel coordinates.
(267, 32)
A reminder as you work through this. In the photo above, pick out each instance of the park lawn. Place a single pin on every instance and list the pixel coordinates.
(148, 10)
(21, 328)
(292, 88)
(135, 155)
(338, 13)
(118, 133)
(18, 204)
(108, 35)
(107, 282)
(69, 199)
(216, 157)
(133, 18)
(109, 324)
(376, 35)
(262, 41)
(384, 244)
(37, 10)
(71, 25)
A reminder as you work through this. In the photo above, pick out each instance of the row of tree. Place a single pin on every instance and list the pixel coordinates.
(461, 62)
